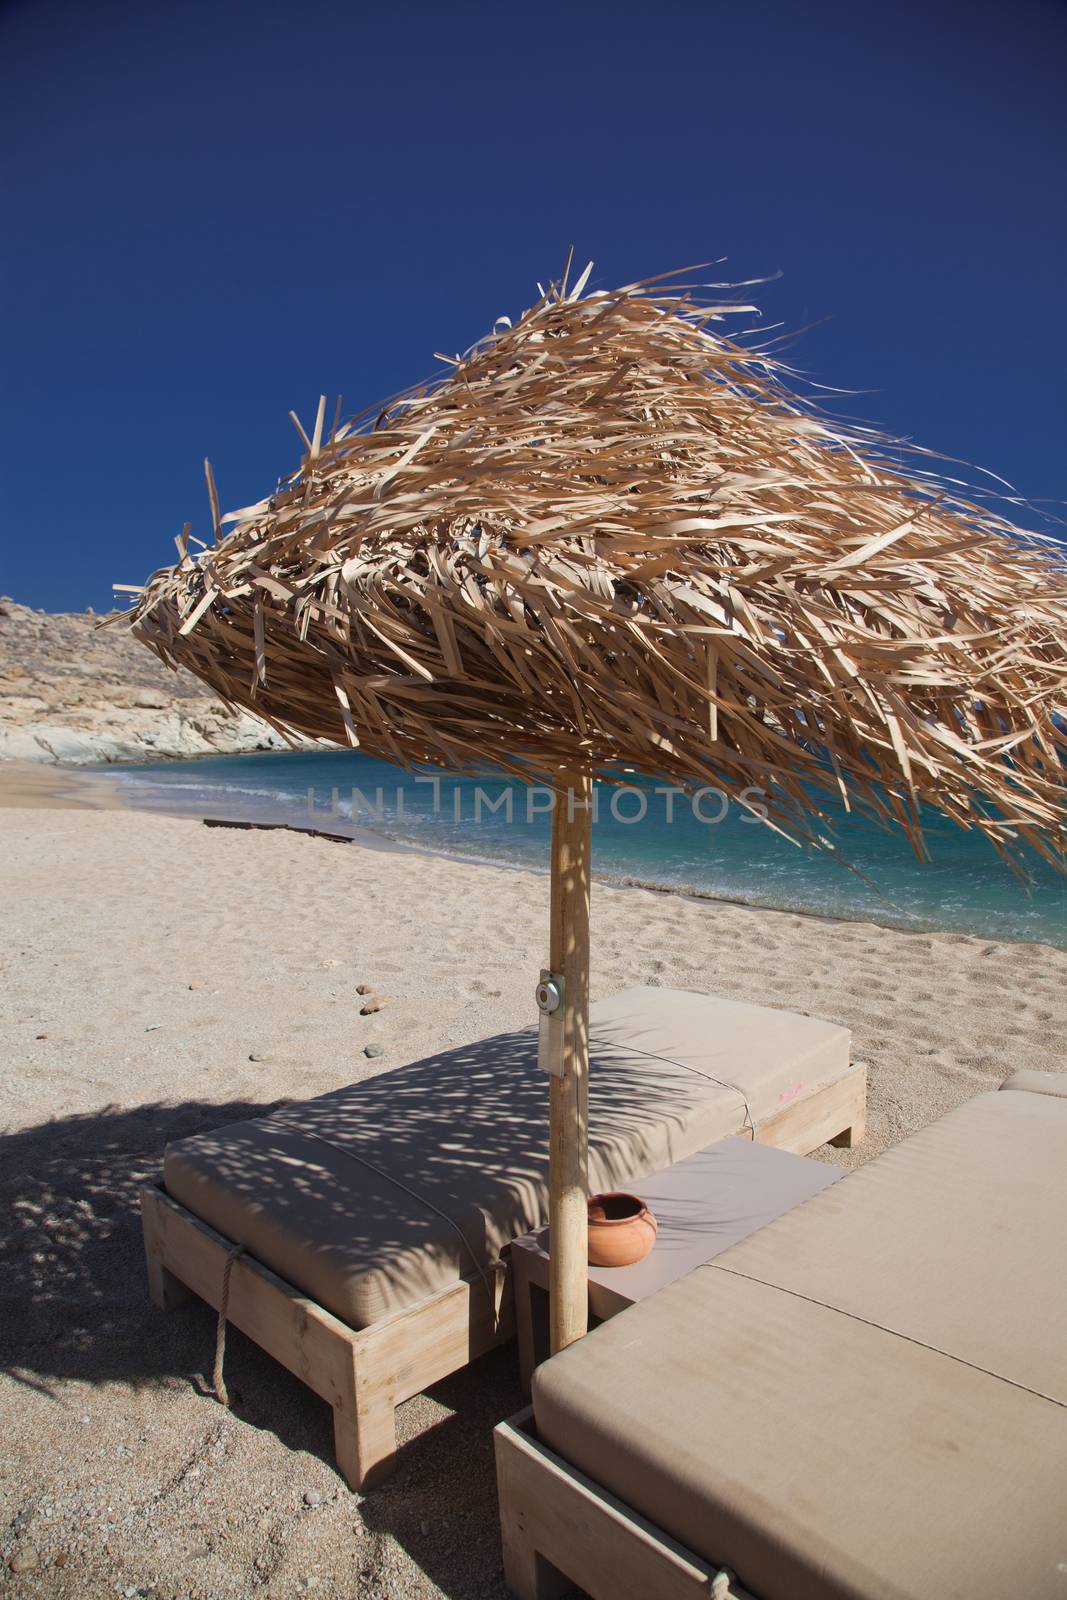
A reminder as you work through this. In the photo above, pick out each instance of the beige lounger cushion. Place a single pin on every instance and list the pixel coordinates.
(457, 1143)
(867, 1398)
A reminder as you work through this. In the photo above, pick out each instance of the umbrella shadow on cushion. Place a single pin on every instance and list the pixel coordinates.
(374, 1196)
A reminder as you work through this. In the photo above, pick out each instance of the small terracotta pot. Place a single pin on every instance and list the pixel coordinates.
(622, 1230)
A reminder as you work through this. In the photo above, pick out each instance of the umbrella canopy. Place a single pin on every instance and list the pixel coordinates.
(609, 540)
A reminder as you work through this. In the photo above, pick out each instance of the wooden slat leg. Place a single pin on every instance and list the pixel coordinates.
(165, 1289)
(851, 1136)
(364, 1427)
(528, 1575)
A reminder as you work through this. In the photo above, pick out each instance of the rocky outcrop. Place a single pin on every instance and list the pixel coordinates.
(73, 692)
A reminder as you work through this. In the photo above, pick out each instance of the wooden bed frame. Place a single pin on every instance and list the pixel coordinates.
(835, 1114)
(560, 1530)
(366, 1373)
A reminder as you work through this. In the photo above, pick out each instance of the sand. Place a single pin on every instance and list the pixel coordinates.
(160, 977)
(40, 786)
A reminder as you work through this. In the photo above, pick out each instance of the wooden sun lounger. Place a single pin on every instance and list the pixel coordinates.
(388, 1302)
(363, 1374)
(867, 1398)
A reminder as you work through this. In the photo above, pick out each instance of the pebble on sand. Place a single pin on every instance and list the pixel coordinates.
(373, 1050)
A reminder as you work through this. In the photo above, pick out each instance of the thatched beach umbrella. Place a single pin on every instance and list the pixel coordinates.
(610, 540)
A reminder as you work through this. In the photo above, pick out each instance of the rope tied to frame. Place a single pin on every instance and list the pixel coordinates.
(219, 1383)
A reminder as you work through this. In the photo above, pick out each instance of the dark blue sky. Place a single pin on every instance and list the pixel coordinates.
(215, 212)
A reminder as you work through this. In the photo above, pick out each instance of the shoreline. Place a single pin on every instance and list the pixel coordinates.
(48, 786)
(34, 785)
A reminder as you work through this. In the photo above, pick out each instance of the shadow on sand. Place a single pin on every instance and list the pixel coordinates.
(74, 1306)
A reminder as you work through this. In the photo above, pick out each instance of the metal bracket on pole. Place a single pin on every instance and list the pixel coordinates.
(550, 994)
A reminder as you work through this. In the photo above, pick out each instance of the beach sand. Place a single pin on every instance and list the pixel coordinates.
(160, 977)
(39, 786)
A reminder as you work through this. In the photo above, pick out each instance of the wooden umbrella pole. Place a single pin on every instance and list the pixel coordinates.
(569, 1093)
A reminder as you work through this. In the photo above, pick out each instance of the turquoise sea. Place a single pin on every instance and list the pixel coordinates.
(966, 889)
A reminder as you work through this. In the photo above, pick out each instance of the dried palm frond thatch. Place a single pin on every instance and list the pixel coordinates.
(612, 539)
